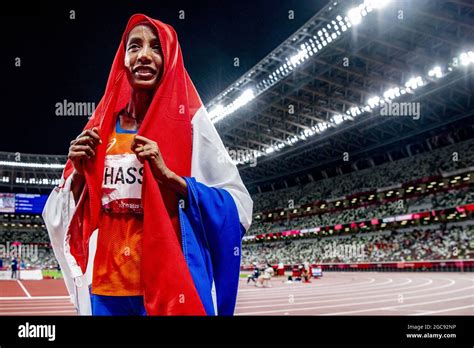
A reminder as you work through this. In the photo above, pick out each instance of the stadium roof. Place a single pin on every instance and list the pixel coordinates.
(319, 93)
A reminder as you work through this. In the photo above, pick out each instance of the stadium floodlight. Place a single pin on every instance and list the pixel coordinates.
(376, 3)
(414, 82)
(337, 119)
(269, 150)
(392, 93)
(295, 59)
(246, 96)
(39, 181)
(32, 165)
(322, 127)
(466, 58)
(471, 56)
(355, 15)
(291, 141)
(436, 72)
(242, 100)
(216, 111)
(373, 101)
(354, 111)
(326, 34)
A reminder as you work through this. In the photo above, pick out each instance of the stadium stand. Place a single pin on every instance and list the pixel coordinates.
(454, 242)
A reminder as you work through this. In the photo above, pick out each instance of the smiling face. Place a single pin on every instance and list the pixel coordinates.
(143, 58)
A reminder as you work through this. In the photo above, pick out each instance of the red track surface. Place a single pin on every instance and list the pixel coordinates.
(35, 297)
(335, 294)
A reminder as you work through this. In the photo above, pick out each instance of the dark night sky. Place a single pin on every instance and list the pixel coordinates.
(70, 59)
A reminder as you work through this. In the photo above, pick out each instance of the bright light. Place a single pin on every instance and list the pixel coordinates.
(292, 140)
(392, 93)
(435, 72)
(31, 165)
(247, 96)
(354, 16)
(376, 3)
(373, 101)
(216, 111)
(321, 127)
(242, 100)
(297, 58)
(466, 58)
(269, 150)
(414, 82)
(337, 119)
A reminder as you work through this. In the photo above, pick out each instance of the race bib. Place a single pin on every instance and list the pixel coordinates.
(122, 184)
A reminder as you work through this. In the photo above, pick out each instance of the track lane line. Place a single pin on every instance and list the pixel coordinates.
(355, 304)
(337, 298)
(32, 297)
(23, 288)
(405, 305)
(329, 296)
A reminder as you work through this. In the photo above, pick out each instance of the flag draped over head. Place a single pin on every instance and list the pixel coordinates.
(167, 282)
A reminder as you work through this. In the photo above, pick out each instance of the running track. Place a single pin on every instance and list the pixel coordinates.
(337, 293)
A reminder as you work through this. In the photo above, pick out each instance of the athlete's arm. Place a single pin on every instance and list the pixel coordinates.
(77, 185)
(82, 149)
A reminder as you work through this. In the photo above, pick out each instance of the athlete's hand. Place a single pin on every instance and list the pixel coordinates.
(83, 148)
(148, 150)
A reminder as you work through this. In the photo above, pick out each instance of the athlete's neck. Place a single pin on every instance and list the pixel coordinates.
(139, 103)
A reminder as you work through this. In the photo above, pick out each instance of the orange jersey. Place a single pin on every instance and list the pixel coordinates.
(117, 259)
